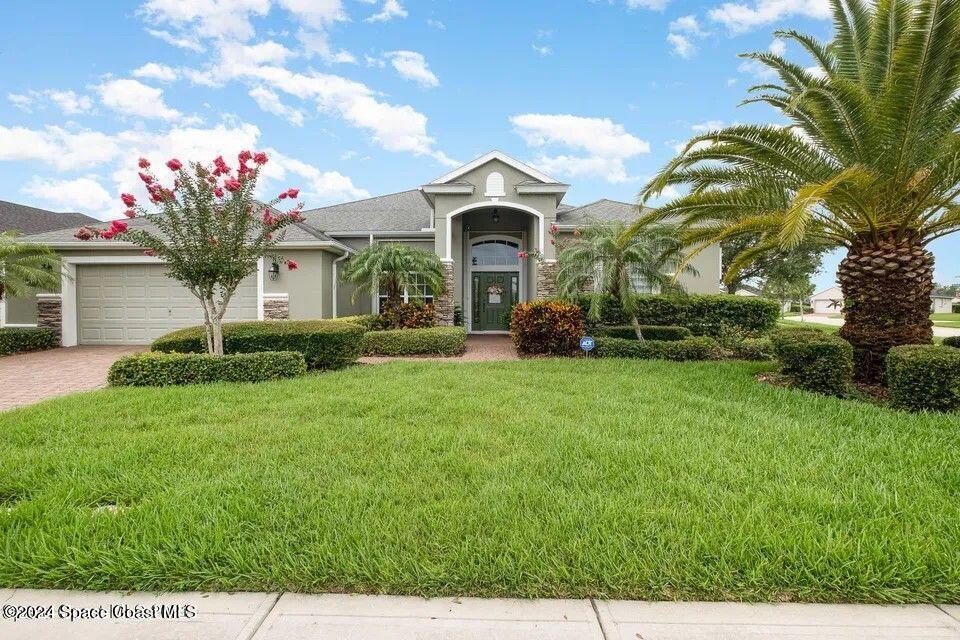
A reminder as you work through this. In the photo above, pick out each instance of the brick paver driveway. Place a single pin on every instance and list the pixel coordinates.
(27, 378)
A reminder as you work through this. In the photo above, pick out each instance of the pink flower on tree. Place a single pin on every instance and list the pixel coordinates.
(143, 163)
(174, 165)
(553, 229)
(83, 234)
(232, 185)
(244, 156)
(293, 193)
(283, 196)
(268, 219)
(108, 234)
(523, 255)
(260, 157)
(218, 192)
(128, 199)
(130, 213)
(292, 265)
(149, 252)
(118, 226)
(147, 179)
(220, 167)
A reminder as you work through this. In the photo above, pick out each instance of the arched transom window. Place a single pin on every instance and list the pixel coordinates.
(499, 253)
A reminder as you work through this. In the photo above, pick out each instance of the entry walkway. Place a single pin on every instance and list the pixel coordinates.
(271, 616)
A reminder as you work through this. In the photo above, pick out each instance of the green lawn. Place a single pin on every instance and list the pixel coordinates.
(946, 319)
(531, 478)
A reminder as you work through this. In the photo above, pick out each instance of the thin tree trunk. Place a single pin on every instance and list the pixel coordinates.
(886, 287)
(636, 327)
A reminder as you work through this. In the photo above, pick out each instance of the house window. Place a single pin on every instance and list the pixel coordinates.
(495, 253)
(639, 284)
(419, 291)
(495, 186)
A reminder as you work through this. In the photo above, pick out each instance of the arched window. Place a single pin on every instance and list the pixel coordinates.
(495, 186)
(495, 253)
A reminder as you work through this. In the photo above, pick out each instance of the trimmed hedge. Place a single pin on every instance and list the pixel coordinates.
(21, 339)
(695, 348)
(650, 332)
(325, 344)
(814, 360)
(702, 314)
(165, 369)
(952, 341)
(546, 328)
(924, 377)
(369, 321)
(753, 349)
(432, 341)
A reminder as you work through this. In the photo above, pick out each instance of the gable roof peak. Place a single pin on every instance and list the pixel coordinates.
(502, 157)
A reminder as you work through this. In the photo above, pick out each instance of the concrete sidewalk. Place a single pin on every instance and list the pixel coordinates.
(270, 616)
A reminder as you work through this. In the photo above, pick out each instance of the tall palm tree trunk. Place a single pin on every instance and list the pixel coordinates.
(887, 287)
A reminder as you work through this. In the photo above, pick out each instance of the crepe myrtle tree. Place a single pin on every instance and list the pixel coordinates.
(209, 230)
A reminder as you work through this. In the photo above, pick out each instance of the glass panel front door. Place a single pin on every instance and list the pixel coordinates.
(494, 294)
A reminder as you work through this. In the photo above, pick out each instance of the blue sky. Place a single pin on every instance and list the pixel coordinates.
(364, 97)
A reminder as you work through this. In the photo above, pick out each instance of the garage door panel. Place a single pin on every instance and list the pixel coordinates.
(135, 304)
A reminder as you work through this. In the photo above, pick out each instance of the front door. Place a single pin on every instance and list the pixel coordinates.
(494, 294)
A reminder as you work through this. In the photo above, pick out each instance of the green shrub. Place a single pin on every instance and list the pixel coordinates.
(814, 360)
(432, 341)
(325, 344)
(952, 341)
(164, 369)
(369, 321)
(955, 307)
(702, 314)
(694, 348)
(753, 349)
(546, 327)
(924, 377)
(650, 332)
(20, 339)
(409, 315)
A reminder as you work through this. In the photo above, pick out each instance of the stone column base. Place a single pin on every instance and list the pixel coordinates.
(444, 301)
(276, 306)
(546, 279)
(50, 313)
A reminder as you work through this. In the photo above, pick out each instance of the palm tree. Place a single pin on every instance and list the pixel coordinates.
(603, 257)
(395, 268)
(870, 162)
(26, 267)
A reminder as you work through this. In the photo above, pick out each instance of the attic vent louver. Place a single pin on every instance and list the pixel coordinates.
(494, 186)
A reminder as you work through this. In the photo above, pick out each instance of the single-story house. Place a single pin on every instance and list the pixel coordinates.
(749, 291)
(941, 302)
(477, 218)
(827, 301)
(24, 220)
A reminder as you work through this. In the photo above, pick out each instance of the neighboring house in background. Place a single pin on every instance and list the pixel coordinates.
(750, 291)
(26, 220)
(477, 218)
(941, 303)
(827, 301)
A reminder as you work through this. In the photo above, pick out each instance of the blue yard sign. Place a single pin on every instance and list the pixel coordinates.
(587, 343)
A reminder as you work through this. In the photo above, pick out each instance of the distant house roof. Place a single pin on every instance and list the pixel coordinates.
(30, 220)
(828, 294)
(404, 211)
(942, 294)
(599, 211)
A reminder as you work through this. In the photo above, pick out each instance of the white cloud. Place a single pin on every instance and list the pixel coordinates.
(320, 186)
(227, 19)
(413, 66)
(69, 102)
(741, 17)
(268, 52)
(156, 71)
(316, 14)
(731, 81)
(131, 97)
(391, 9)
(374, 62)
(177, 41)
(681, 45)
(687, 24)
(543, 50)
(709, 125)
(778, 47)
(21, 101)
(656, 5)
(436, 24)
(86, 194)
(61, 149)
(603, 144)
(270, 102)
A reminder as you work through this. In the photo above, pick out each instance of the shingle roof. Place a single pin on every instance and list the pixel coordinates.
(600, 211)
(404, 211)
(29, 220)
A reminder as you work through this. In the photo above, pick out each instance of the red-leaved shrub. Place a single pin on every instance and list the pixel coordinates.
(546, 327)
(409, 315)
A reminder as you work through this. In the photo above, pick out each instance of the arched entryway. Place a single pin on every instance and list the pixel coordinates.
(497, 280)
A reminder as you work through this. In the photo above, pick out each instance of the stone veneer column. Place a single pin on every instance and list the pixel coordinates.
(50, 313)
(546, 279)
(276, 307)
(444, 302)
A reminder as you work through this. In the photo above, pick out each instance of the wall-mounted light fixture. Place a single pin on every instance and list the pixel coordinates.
(274, 270)
(496, 217)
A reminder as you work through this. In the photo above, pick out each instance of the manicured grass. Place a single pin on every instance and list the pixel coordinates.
(946, 319)
(627, 479)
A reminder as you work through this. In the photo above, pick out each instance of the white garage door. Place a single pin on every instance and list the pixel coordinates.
(137, 303)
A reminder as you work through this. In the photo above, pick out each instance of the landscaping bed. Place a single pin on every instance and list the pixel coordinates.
(550, 478)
